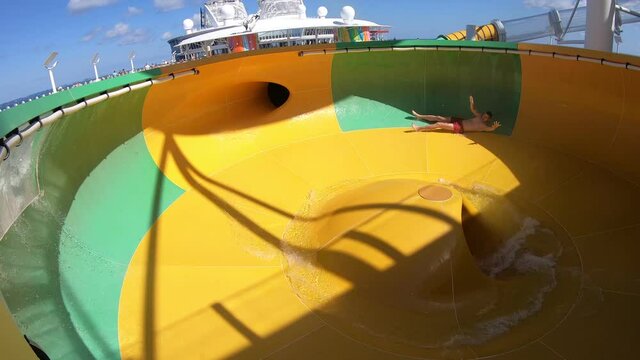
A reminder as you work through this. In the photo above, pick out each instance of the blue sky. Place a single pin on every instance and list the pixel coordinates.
(79, 28)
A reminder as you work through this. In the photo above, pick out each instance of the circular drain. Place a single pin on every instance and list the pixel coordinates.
(435, 193)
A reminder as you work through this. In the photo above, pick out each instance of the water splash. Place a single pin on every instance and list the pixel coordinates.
(485, 331)
(18, 185)
(506, 255)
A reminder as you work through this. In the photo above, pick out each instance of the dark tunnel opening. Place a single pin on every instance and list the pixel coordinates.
(278, 94)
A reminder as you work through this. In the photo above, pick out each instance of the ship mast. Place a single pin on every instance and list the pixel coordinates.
(282, 8)
(221, 13)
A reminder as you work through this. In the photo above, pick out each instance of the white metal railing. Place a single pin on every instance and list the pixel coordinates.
(627, 10)
(556, 23)
(16, 137)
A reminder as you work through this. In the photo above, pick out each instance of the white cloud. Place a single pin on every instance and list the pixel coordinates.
(558, 4)
(124, 35)
(77, 6)
(168, 5)
(119, 29)
(91, 34)
(569, 4)
(166, 36)
(136, 36)
(133, 11)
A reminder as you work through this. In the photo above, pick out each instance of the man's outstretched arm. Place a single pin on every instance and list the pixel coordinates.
(472, 105)
(492, 127)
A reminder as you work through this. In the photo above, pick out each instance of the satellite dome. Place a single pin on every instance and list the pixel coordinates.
(322, 12)
(187, 24)
(347, 14)
(228, 12)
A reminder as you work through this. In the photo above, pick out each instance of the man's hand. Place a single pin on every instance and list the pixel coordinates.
(495, 125)
(472, 106)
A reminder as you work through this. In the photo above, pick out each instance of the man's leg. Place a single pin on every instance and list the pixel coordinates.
(436, 126)
(432, 118)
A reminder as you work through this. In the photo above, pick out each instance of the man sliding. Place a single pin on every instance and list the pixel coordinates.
(479, 121)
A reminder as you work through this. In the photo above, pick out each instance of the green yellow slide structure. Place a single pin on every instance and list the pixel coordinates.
(488, 32)
(275, 205)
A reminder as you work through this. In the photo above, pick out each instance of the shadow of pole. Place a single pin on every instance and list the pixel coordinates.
(236, 323)
(336, 261)
(150, 276)
(187, 169)
(368, 281)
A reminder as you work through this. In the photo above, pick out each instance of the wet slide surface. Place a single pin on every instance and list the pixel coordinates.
(196, 219)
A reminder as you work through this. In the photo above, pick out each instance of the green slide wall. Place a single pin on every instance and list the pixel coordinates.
(70, 249)
(379, 89)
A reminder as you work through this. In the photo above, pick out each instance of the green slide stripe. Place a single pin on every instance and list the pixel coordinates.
(428, 43)
(111, 213)
(379, 89)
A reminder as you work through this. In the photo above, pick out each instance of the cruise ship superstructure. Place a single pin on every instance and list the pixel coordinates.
(225, 27)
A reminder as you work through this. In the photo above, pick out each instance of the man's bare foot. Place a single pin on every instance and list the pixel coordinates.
(416, 114)
(415, 127)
